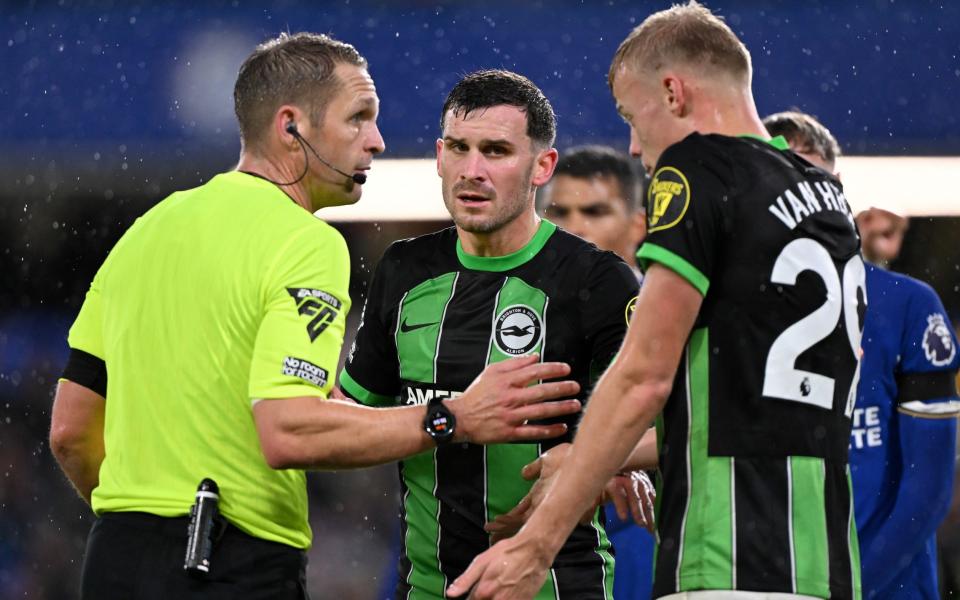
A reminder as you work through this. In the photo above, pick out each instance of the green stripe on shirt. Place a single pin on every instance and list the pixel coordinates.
(651, 252)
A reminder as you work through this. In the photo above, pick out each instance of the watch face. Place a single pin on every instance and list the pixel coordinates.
(440, 423)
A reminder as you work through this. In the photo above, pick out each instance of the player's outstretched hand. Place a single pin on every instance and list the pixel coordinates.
(513, 569)
(541, 472)
(498, 404)
(508, 524)
(632, 494)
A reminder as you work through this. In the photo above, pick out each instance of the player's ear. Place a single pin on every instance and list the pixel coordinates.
(638, 227)
(439, 153)
(546, 163)
(675, 95)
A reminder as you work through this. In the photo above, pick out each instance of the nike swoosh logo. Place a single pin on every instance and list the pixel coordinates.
(404, 328)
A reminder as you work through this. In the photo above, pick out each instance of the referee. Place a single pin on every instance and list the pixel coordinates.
(214, 328)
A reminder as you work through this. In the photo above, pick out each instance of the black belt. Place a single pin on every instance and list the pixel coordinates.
(168, 526)
(176, 527)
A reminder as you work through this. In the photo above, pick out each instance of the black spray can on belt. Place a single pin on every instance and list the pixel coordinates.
(201, 531)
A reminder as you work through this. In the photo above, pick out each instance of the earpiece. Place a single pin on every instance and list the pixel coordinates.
(291, 128)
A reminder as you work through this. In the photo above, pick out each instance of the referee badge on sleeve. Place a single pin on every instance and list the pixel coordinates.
(320, 307)
(305, 370)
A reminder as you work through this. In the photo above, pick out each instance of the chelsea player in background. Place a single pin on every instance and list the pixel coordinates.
(903, 440)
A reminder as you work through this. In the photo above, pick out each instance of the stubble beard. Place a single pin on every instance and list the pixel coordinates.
(324, 193)
(505, 212)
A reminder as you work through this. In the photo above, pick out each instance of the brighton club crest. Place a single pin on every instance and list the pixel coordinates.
(518, 330)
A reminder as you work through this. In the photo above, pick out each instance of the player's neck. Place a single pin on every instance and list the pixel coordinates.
(275, 172)
(732, 113)
(508, 239)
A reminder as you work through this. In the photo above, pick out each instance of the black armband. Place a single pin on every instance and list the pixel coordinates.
(87, 370)
(926, 386)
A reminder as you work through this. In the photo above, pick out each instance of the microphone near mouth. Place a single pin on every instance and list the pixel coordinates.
(358, 178)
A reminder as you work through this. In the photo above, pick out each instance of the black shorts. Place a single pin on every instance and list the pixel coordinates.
(139, 556)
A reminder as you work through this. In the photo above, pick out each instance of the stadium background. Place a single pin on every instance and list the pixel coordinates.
(107, 107)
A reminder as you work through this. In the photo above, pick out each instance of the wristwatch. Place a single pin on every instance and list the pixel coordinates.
(439, 422)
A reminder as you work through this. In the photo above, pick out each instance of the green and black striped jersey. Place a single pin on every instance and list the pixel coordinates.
(754, 491)
(434, 318)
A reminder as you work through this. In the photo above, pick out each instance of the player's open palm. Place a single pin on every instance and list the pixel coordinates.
(500, 403)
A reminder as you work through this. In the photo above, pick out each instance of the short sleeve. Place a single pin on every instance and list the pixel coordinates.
(683, 215)
(371, 374)
(86, 334)
(305, 303)
(611, 297)
(928, 358)
(929, 342)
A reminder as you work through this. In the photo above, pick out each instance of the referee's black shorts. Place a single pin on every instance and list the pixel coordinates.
(139, 556)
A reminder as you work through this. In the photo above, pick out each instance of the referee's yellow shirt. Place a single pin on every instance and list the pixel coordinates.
(216, 297)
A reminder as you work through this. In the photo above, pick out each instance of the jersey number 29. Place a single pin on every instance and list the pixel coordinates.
(781, 377)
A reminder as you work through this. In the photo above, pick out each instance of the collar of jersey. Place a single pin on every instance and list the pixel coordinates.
(779, 142)
(257, 180)
(512, 260)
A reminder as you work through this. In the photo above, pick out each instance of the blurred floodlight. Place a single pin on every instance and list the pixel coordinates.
(203, 79)
(409, 190)
(396, 190)
(907, 185)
